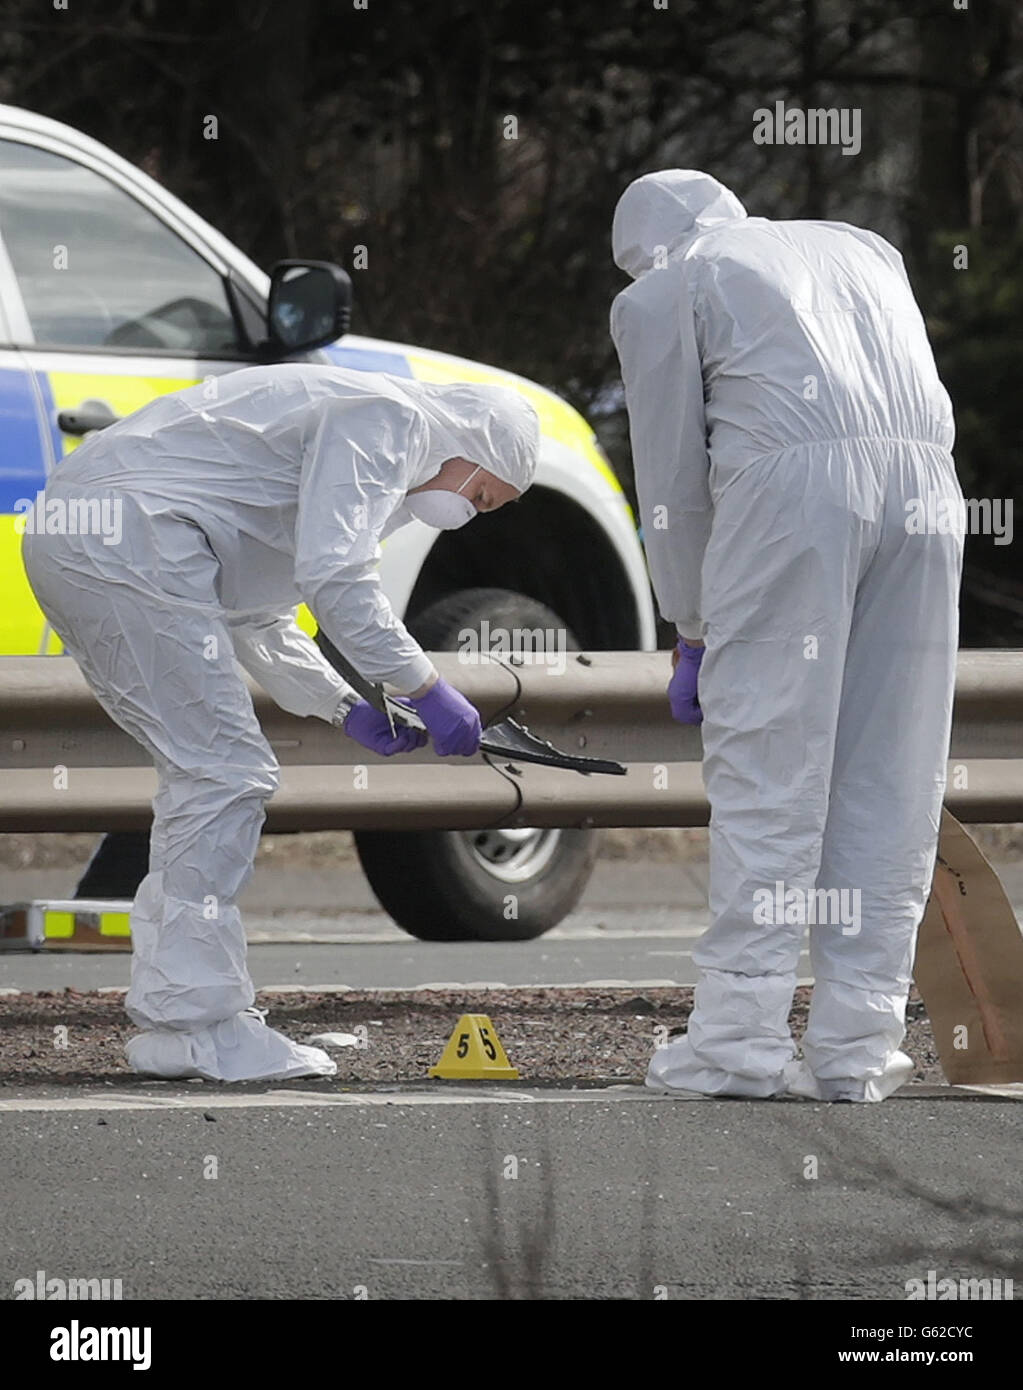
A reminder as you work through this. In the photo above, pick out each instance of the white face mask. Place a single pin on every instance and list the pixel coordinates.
(443, 510)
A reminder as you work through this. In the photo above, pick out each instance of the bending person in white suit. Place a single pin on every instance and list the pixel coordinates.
(787, 420)
(238, 499)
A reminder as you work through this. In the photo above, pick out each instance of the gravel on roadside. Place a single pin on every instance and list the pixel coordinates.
(590, 1036)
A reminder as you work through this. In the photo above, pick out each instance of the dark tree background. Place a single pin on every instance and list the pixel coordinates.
(476, 149)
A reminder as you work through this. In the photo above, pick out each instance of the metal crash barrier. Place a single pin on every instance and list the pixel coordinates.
(64, 766)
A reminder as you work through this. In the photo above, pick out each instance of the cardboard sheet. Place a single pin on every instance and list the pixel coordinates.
(969, 966)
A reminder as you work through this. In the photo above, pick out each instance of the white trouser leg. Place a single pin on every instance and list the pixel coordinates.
(887, 786)
(162, 665)
(779, 582)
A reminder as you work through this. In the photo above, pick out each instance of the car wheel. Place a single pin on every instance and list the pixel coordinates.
(478, 885)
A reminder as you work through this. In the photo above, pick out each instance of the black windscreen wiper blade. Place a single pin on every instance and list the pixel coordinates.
(506, 739)
(509, 739)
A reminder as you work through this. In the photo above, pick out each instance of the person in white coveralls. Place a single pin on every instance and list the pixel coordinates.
(238, 499)
(786, 419)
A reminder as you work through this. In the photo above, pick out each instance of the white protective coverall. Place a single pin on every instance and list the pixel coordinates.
(786, 417)
(239, 498)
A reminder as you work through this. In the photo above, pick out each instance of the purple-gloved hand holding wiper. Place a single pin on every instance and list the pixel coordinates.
(451, 721)
(372, 728)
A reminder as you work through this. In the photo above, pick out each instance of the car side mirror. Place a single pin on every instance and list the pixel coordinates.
(310, 305)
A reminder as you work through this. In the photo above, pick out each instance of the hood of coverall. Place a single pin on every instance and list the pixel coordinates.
(492, 426)
(663, 212)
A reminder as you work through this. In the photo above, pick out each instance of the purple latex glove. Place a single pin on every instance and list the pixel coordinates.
(685, 706)
(371, 728)
(454, 723)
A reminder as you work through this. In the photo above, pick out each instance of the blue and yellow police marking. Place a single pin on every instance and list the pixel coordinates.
(66, 924)
(23, 629)
(122, 392)
(558, 420)
(363, 359)
(22, 476)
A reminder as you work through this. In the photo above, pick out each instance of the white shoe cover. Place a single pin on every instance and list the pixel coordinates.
(675, 1069)
(242, 1048)
(800, 1081)
(679, 1092)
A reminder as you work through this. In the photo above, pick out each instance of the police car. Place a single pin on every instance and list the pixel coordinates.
(113, 291)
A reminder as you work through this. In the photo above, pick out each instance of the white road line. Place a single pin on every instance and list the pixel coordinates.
(436, 985)
(304, 938)
(324, 1100)
(306, 1099)
(269, 935)
(381, 1261)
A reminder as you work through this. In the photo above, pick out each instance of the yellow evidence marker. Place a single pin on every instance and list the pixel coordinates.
(474, 1053)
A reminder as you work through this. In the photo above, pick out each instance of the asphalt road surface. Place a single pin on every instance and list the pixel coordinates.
(587, 1195)
(637, 924)
(469, 1191)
